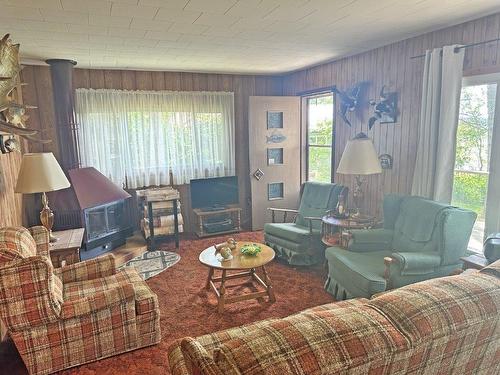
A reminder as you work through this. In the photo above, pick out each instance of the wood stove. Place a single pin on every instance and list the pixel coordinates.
(98, 205)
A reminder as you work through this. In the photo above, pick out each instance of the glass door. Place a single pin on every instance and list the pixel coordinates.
(475, 135)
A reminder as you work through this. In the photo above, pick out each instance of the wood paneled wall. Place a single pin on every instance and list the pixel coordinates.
(39, 92)
(391, 66)
(11, 213)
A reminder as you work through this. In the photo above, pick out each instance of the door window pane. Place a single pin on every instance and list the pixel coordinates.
(274, 120)
(320, 138)
(275, 191)
(474, 135)
(274, 156)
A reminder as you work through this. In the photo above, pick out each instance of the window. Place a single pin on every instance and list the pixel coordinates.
(142, 136)
(319, 145)
(475, 136)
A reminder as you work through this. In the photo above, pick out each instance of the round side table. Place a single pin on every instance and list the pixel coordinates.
(335, 231)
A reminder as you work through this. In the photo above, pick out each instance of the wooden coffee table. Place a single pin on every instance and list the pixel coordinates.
(246, 263)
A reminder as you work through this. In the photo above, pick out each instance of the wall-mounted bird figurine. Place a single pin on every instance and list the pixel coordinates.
(349, 100)
(385, 110)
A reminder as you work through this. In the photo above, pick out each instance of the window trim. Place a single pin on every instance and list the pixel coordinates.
(307, 145)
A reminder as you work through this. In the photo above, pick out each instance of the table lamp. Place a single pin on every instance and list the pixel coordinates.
(359, 159)
(40, 173)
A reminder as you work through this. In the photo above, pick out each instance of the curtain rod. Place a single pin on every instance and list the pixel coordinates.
(461, 47)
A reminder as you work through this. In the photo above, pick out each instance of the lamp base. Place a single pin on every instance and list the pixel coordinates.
(357, 195)
(53, 238)
(47, 217)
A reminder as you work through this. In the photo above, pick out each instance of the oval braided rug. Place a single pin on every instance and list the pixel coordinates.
(152, 263)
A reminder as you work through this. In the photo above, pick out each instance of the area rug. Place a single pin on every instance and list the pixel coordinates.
(151, 263)
(188, 309)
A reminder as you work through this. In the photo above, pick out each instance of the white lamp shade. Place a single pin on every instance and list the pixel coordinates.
(359, 157)
(40, 173)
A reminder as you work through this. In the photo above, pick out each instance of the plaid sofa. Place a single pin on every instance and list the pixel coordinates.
(441, 326)
(60, 318)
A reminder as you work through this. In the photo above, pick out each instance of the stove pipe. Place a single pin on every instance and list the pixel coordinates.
(61, 71)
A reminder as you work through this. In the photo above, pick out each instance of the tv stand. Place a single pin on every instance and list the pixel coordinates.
(213, 208)
(217, 222)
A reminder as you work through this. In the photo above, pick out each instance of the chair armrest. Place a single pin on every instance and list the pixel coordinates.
(285, 211)
(119, 294)
(88, 270)
(41, 236)
(365, 240)
(28, 295)
(198, 358)
(311, 219)
(411, 263)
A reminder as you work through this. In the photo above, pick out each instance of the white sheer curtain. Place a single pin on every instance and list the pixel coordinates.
(433, 175)
(142, 135)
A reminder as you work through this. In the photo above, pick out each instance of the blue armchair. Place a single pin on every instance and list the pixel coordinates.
(421, 239)
(299, 243)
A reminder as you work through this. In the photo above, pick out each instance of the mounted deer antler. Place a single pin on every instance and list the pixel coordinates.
(13, 115)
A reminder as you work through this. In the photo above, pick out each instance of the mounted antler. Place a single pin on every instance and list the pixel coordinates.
(13, 115)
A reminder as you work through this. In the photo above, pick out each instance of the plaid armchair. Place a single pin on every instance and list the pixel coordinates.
(60, 318)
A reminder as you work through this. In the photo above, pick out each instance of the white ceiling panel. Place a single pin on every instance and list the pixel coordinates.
(233, 36)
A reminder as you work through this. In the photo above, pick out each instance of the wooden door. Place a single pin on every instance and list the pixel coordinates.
(275, 154)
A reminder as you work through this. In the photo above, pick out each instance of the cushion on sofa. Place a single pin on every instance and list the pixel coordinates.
(179, 363)
(313, 343)
(439, 307)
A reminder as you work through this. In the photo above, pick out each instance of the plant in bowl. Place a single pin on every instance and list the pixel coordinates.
(251, 249)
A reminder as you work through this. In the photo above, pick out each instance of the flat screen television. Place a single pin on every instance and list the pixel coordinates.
(214, 193)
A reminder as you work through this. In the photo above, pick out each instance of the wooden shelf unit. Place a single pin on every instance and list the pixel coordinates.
(233, 211)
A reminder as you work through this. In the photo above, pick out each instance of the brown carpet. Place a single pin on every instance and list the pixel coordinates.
(189, 310)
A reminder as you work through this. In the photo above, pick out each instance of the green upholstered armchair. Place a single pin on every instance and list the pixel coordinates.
(299, 242)
(421, 239)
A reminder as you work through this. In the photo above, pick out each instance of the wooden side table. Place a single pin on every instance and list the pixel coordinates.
(66, 250)
(474, 261)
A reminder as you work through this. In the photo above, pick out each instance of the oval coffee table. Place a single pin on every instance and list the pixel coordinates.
(239, 262)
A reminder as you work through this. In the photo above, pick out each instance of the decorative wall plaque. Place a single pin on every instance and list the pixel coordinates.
(258, 174)
(385, 161)
(275, 138)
